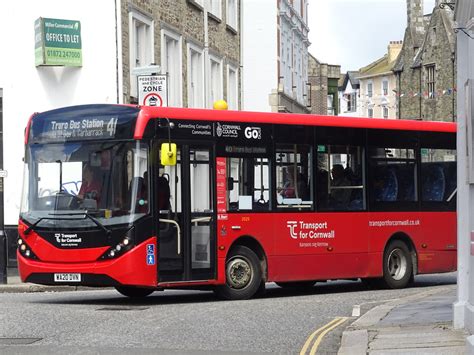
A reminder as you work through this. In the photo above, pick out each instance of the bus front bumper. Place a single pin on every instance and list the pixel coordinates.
(132, 268)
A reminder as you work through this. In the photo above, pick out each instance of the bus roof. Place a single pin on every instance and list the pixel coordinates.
(147, 113)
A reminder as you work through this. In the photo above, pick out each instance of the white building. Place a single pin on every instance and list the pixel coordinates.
(349, 95)
(26, 88)
(275, 55)
(464, 306)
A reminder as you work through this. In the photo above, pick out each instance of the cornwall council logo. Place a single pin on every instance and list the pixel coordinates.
(219, 129)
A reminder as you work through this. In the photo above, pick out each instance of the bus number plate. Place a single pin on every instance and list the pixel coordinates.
(67, 277)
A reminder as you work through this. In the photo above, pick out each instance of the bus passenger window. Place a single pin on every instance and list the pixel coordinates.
(248, 182)
(340, 178)
(438, 175)
(393, 175)
(293, 176)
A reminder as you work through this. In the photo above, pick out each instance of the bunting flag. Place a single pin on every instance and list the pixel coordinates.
(426, 94)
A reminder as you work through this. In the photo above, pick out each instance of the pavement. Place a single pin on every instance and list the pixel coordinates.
(418, 324)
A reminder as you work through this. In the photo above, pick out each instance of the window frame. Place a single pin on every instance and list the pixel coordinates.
(431, 80)
(148, 50)
(385, 87)
(214, 9)
(235, 87)
(232, 19)
(191, 47)
(175, 89)
(370, 89)
(219, 61)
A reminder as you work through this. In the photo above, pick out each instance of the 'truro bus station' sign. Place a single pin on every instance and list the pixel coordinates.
(152, 90)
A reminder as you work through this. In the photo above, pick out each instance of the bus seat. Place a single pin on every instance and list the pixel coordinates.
(388, 186)
(451, 179)
(406, 183)
(434, 183)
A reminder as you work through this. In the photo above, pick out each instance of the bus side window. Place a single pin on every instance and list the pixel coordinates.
(438, 175)
(394, 175)
(340, 178)
(248, 182)
(293, 171)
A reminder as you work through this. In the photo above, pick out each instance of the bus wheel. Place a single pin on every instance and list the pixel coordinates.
(296, 285)
(397, 265)
(134, 292)
(243, 275)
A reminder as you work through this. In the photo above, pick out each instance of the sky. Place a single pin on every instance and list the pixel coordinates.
(354, 33)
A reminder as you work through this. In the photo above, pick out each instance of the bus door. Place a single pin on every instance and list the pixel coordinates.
(186, 242)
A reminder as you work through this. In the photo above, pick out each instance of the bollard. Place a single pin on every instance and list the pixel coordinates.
(3, 257)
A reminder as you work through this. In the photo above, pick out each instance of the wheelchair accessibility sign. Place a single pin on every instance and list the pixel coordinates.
(150, 254)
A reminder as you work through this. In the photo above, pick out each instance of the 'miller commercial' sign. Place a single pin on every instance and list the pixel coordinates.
(58, 42)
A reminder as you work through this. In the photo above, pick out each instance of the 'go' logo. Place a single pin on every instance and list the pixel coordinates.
(253, 133)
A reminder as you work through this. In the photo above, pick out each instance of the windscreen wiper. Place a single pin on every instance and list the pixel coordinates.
(32, 227)
(107, 231)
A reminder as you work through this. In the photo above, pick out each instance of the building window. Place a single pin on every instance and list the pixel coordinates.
(370, 90)
(232, 6)
(352, 102)
(370, 112)
(195, 77)
(141, 45)
(430, 80)
(385, 112)
(171, 65)
(214, 8)
(215, 80)
(200, 3)
(385, 87)
(232, 88)
(330, 104)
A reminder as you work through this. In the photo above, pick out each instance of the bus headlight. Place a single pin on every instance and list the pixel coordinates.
(123, 246)
(25, 249)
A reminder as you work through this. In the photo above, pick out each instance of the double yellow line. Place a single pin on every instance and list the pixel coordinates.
(322, 332)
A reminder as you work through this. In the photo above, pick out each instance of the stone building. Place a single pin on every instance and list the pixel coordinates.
(323, 79)
(426, 68)
(195, 42)
(378, 85)
(275, 58)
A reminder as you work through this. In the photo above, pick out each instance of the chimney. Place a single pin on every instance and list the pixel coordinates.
(415, 16)
(394, 49)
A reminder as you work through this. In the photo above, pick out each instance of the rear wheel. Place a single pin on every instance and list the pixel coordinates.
(243, 275)
(134, 292)
(397, 265)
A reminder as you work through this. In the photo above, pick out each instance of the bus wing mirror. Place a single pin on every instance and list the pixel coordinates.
(230, 183)
(168, 154)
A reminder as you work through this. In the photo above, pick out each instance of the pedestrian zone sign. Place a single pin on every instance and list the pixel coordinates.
(152, 90)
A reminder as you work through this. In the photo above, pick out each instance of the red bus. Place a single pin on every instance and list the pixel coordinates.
(149, 198)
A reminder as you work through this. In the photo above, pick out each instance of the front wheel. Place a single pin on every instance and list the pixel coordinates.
(397, 265)
(134, 292)
(243, 275)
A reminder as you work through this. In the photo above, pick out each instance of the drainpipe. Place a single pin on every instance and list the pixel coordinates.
(453, 60)
(421, 94)
(207, 68)
(399, 74)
